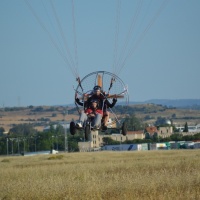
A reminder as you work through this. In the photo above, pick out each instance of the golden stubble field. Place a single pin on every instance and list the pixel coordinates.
(102, 175)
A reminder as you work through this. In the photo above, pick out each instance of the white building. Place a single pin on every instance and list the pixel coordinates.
(190, 128)
(65, 125)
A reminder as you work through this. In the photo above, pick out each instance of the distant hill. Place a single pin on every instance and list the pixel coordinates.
(178, 103)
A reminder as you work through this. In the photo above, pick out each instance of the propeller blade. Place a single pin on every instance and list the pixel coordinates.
(115, 96)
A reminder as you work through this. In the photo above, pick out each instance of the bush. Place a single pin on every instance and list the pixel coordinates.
(56, 157)
(54, 115)
(5, 160)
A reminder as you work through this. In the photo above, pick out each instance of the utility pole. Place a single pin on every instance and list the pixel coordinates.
(24, 144)
(35, 143)
(18, 145)
(12, 139)
(65, 128)
(7, 145)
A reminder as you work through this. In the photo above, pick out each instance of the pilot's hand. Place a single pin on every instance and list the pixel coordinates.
(91, 115)
(114, 100)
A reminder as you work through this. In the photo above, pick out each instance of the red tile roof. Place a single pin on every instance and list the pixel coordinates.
(151, 129)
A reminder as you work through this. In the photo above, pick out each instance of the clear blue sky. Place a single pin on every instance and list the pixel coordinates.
(164, 65)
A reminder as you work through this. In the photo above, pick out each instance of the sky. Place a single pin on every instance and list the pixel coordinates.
(157, 44)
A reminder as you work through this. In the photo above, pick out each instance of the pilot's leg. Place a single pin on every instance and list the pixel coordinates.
(96, 123)
(82, 119)
(106, 118)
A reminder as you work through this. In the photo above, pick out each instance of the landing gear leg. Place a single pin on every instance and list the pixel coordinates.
(72, 128)
(124, 128)
(87, 131)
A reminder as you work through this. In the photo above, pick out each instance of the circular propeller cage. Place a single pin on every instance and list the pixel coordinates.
(112, 87)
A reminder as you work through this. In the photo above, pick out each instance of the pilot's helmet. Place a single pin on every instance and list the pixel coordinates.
(96, 88)
(95, 100)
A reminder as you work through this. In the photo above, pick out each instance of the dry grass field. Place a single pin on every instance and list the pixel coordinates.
(193, 116)
(150, 175)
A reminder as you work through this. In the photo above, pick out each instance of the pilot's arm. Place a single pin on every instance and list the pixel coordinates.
(78, 102)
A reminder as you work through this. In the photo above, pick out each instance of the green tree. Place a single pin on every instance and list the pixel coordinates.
(1, 130)
(110, 141)
(160, 121)
(73, 146)
(59, 129)
(155, 137)
(45, 141)
(22, 130)
(2, 146)
(197, 136)
(176, 137)
(175, 129)
(188, 137)
(185, 127)
(134, 124)
(147, 135)
(39, 109)
(174, 115)
(54, 115)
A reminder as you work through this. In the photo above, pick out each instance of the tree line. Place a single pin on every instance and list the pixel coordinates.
(174, 137)
(24, 138)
